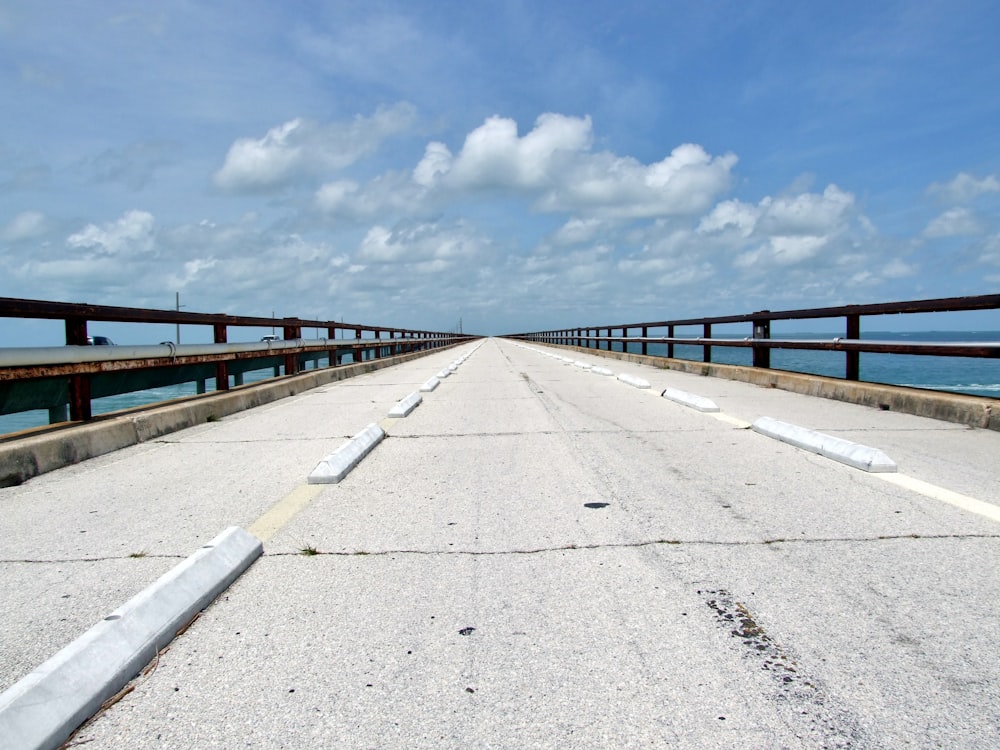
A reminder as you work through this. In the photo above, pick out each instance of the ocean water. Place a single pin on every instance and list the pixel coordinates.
(974, 376)
(969, 375)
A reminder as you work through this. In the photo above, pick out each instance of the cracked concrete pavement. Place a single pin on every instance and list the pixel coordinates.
(537, 556)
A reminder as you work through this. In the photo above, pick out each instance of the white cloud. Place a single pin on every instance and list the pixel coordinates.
(494, 156)
(964, 188)
(130, 235)
(955, 222)
(25, 226)
(898, 269)
(437, 161)
(684, 183)
(302, 148)
(733, 214)
(807, 214)
(578, 231)
(427, 243)
(554, 162)
(390, 194)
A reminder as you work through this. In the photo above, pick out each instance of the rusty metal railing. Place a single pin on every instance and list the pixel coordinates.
(761, 343)
(65, 379)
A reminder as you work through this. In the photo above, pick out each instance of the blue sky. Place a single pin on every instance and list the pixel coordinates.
(518, 165)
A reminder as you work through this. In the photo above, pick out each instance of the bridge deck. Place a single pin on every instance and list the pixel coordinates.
(537, 556)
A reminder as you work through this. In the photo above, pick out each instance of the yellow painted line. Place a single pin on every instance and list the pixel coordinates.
(971, 504)
(729, 420)
(284, 510)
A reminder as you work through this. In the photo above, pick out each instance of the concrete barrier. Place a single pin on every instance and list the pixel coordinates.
(41, 710)
(338, 464)
(853, 454)
(406, 405)
(634, 381)
(690, 399)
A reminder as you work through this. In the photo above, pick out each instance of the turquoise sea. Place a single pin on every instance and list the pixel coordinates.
(979, 377)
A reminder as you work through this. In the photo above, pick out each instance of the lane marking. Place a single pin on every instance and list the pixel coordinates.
(284, 510)
(971, 504)
(734, 421)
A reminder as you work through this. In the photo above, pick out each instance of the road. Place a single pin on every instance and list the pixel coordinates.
(537, 556)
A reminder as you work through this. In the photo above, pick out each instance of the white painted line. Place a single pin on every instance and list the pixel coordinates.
(690, 399)
(43, 708)
(734, 421)
(633, 380)
(601, 371)
(406, 405)
(430, 385)
(853, 454)
(338, 464)
(964, 502)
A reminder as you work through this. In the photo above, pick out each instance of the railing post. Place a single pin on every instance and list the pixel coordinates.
(290, 333)
(79, 385)
(358, 354)
(609, 339)
(332, 360)
(220, 336)
(645, 333)
(707, 348)
(761, 330)
(853, 358)
(670, 344)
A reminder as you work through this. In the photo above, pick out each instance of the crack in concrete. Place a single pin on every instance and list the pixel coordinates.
(61, 560)
(312, 552)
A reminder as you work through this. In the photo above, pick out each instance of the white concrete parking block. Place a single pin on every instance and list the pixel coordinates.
(443, 374)
(47, 705)
(406, 405)
(633, 380)
(853, 454)
(690, 399)
(601, 371)
(338, 464)
(430, 385)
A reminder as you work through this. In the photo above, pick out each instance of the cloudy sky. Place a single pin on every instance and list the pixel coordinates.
(517, 165)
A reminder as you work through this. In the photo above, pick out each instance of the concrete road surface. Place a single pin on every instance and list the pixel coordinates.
(537, 556)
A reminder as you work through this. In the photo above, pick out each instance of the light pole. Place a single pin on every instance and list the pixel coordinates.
(177, 307)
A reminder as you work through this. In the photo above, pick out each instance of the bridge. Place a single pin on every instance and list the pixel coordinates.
(542, 546)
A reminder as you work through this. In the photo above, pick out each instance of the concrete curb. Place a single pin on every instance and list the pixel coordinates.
(853, 454)
(689, 399)
(47, 705)
(633, 380)
(430, 385)
(338, 464)
(406, 405)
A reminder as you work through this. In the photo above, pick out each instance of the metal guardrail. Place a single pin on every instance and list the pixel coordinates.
(65, 379)
(760, 340)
